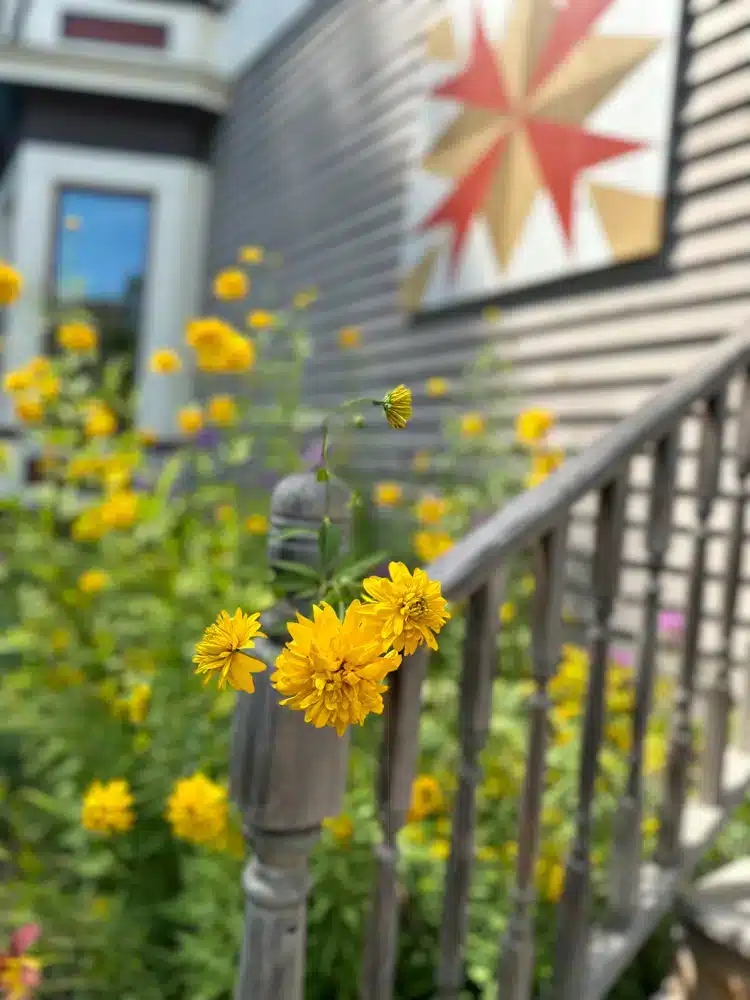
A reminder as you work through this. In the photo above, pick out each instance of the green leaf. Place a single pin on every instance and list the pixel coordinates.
(172, 468)
(329, 542)
(297, 569)
(240, 449)
(322, 475)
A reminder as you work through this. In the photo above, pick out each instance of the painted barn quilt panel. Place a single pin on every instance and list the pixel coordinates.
(543, 143)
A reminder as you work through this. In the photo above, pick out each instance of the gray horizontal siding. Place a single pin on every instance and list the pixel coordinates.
(311, 161)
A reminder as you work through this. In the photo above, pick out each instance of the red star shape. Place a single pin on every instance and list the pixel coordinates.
(562, 151)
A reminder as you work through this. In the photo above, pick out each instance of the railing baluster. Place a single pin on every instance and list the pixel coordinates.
(516, 966)
(570, 956)
(474, 719)
(681, 743)
(719, 701)
(627, 842)
(397, 765)
(286, 775)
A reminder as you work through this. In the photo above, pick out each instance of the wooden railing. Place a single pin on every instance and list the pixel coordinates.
(287, 776)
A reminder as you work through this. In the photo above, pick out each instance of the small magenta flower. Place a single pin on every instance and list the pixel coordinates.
(671, 625)
(622, 657)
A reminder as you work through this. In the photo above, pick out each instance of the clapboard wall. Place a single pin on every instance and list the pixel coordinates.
(311, 161)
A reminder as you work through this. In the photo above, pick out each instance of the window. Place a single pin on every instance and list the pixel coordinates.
(101, 261)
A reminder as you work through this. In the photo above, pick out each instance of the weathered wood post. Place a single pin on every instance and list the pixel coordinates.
(286, 775)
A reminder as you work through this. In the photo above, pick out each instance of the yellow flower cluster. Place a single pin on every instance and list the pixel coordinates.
(78, 337)
(32, 387)
(99, 420)
(117, 512)
(532, 431)
(219, 347)
(198, 810)
(333, 669)
(11, 284)
(108, 807)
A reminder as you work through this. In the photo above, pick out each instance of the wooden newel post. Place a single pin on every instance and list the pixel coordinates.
(286, 776)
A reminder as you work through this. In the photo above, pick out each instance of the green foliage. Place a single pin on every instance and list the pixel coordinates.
(145, 916)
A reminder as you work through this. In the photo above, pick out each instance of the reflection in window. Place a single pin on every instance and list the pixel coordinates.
(100, 263)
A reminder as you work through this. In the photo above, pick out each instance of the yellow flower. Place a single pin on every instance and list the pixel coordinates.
(89, 526)
(407, 608)
(207, 333)
(140, 698)
(508, 612)
(92, 581)
(621, 701)
(19, 975)
(550, 880)
(190, 419)
(435, 387)
(431, 509)
(257, 524)
(533, 425)
(120, 510)
(472, 425)
(40, 367)
(99, 421)
(165, 361)
(430, 545)
(251, 255)
(198, 810)
(305, 298)
(650, 826)
(240, 354)
(397, 407)
(222, 410)
(49, 387)
(108, 807)
(388, 494)
(11, 284)
(259, 319)
(225, 513)
(146, 436)
(334, 670)
(231, 284)
(350, 336)
(341, 828)
(440, 849)
(543, 464)
(18, 380)
(426, 798)
(421, 461)
(77, 337)
(486, 853)
(654, 753)
(222, 651)
(619, 733)
(29, 411)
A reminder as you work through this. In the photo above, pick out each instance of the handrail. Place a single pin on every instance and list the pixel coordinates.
(288, 776)
(472, 560)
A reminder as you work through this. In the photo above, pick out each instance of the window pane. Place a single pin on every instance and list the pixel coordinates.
(101, 258)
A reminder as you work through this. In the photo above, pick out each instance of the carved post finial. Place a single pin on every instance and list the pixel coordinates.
(286, 775)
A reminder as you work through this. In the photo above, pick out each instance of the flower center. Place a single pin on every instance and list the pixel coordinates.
(414, 606)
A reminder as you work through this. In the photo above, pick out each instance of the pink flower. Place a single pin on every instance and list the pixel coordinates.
(671, 624)
(622, 657)
(20, 974)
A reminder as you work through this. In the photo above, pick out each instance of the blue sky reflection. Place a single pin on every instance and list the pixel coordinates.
(102, 244)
